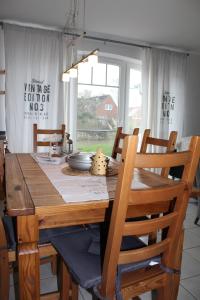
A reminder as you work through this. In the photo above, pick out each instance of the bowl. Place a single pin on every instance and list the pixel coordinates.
(80, 161)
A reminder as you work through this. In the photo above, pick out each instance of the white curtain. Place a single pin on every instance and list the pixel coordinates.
(164, 80)
(71, 89)
(34, 91)
(2, 81)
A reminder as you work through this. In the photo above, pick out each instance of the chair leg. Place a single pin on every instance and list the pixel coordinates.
(4, 275)
(65, 282)
(198, 212)
(74, 291)
(54, 264)
(178, 256)
(165, 293)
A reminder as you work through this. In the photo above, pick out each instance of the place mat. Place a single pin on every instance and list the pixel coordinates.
(72, 172)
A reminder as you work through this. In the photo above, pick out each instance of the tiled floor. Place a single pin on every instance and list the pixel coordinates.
(190, 273)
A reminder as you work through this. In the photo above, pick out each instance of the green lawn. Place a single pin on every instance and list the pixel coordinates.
(106, 146)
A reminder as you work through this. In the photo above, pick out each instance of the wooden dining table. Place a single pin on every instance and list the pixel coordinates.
(36, 204)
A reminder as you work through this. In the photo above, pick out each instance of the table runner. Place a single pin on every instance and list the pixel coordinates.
(82, 188)
(79, 188)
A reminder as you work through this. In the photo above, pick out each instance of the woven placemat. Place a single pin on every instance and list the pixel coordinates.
(72, 172)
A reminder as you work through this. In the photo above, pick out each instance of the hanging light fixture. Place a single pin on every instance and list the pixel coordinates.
(72, 71)
(91, 58)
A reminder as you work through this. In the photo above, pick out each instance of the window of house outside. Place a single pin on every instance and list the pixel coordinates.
(106, 94)
(108, 107)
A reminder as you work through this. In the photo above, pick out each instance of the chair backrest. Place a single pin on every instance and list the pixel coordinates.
(48, 132)
(118, 138)
(171, 197)
(169, 145)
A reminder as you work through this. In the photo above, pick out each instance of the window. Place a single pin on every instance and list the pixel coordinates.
(134, 98)
(109, 95)
(108, 107)
(97, 106)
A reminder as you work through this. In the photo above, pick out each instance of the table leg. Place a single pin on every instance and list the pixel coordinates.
(28, 257)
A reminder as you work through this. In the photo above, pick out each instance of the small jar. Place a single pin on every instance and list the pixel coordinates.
(55, 149)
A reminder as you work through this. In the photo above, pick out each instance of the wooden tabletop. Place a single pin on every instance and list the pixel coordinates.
(29, 191)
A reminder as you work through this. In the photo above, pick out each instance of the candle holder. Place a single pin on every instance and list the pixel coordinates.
(99, 163)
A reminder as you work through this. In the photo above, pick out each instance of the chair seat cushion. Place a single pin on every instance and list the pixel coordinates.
(45, 235)
(84, 264)
(10, 232)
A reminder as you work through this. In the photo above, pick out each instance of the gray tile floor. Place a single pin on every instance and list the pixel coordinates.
(190, 273)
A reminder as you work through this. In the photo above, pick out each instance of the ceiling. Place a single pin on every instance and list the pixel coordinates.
(171, 23)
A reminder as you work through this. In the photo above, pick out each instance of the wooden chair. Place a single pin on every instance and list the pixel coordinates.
(120, 136)
(176, 173)
(36, 132)
(169, 145)
(130, 267)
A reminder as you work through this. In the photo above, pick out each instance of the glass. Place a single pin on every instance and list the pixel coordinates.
(99, 74)
(112, 75)
(97, 112)
(84, 73)
(54, 147)
(135, 100)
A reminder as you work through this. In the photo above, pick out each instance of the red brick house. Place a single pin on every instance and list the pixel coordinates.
(107, 109)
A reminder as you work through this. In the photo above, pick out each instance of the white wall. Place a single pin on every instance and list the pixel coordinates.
(192, 105)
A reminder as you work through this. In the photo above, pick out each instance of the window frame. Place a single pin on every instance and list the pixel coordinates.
(123, 89)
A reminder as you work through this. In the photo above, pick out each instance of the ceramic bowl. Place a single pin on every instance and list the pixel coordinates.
(80, 161)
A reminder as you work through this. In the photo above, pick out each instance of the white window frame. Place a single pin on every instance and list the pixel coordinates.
(124, 73)
(137, 65)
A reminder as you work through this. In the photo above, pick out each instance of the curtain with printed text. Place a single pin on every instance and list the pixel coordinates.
(164, 82)
(34, 90)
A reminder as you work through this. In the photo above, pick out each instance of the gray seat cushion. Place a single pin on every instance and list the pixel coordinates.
(81, 253)
(45, 234)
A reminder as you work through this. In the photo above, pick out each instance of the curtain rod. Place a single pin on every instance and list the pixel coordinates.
(89, 37)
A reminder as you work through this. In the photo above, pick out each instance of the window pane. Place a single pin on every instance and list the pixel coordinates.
(84, 73)
(97, 117)
(99, 74)
(112, 75)
(135, 100)
(135, 78)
